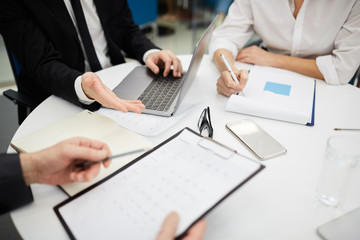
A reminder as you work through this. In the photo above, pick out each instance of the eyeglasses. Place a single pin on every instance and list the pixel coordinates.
(204, 123)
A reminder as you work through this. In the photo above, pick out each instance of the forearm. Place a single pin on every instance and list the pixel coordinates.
(303, 66)
(28, 170)
(220, 63)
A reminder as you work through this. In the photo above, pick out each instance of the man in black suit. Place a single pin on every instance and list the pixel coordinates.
(45, 38)
(56, 165)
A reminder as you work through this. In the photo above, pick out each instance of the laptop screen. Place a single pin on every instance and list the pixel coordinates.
(196, 59)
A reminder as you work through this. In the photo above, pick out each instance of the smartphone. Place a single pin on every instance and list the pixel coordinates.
(256, 139)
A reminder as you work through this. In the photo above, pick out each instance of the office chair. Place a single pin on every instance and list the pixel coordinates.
(24, 102)
(355, 80)
(145, 14)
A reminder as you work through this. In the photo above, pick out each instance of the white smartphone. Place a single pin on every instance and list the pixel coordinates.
(256, 139)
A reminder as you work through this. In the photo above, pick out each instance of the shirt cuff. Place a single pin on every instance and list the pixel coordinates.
(80, 93)
(148, 52)
(215, 45)
(327, 69)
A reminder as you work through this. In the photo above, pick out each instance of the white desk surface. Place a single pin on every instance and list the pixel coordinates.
(279, 203)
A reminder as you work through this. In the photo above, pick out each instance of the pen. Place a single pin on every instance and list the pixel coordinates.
(86, 164)
(347, 129)
(230, 70)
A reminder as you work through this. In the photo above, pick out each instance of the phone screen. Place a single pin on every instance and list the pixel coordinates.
(256, 139)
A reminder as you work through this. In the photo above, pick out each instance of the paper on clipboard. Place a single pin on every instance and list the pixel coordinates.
(178, 175)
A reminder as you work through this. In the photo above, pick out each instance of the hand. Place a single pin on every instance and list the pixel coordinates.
(226, 84)
(256, 55)
(56, 165)
(164, 59)
(95, 89)
(169, 226)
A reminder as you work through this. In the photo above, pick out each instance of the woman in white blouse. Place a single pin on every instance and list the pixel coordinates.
(318, 38)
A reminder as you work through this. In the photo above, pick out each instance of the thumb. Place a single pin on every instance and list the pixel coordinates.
(169, 227)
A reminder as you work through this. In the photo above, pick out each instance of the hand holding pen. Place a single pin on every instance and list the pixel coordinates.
(229, 83)
(88, 163)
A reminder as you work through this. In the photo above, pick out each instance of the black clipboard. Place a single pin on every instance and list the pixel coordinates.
(259, 167)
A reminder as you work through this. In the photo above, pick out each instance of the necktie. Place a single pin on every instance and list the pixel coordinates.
(85, 36)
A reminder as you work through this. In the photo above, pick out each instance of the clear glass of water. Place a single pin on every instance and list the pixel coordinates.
(341, 158)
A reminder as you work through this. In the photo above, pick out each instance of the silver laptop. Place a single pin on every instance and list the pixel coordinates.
(163, 95)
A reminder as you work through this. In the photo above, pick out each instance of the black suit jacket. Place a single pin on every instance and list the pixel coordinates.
(13, 190)
(43, 38)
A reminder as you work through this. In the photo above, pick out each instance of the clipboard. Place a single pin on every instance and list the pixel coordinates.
(186, 173)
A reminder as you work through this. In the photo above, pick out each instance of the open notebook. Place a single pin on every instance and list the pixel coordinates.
(90, 125)
(277, 94)
(187, 173)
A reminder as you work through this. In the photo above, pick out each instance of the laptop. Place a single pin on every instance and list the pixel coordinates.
(163, 95)
(344, 227)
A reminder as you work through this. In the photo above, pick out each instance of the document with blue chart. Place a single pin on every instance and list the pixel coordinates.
(187, 173)
(276, 94)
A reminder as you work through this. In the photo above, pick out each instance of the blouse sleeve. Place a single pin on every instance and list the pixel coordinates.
(236, 30)
(340, 66)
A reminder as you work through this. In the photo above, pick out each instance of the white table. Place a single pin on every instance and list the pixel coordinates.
(279, 203)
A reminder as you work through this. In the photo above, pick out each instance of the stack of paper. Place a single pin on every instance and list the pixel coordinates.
(276, 94)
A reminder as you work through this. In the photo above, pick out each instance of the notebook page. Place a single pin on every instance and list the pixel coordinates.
(180, 176)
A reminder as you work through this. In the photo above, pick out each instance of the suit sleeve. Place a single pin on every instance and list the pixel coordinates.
(124, 30)
(42, 66)
(13, 190)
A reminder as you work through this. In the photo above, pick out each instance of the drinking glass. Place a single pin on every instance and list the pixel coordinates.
(341, 157)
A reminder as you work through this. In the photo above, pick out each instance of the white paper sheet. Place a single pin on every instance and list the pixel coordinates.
(146, 124)
(180, 176)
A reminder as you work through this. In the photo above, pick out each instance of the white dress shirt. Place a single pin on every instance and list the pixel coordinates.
(99, 41)
(325, 30)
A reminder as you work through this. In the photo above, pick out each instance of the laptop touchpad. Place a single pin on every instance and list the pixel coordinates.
(134, 83)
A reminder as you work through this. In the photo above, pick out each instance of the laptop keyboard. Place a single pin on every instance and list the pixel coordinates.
(161, 92)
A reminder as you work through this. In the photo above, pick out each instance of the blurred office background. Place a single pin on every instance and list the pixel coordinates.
(171, 24)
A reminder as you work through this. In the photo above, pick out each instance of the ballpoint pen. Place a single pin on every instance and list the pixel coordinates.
(88, 163)
(230, 69)
(347, 129)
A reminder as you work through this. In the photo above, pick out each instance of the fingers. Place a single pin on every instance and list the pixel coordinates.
(152, 64)
(125, 105)
(241, 57)
(197, 231)
(85, 175)
(86, 149)
(167, 59)
(95, 89)
(256, 55)
(226, 84)
(244, 76)
(177, 67)
(169, 227)
(86, 142)
(106, 163)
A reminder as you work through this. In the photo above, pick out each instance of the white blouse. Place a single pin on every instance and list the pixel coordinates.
(325, 30)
